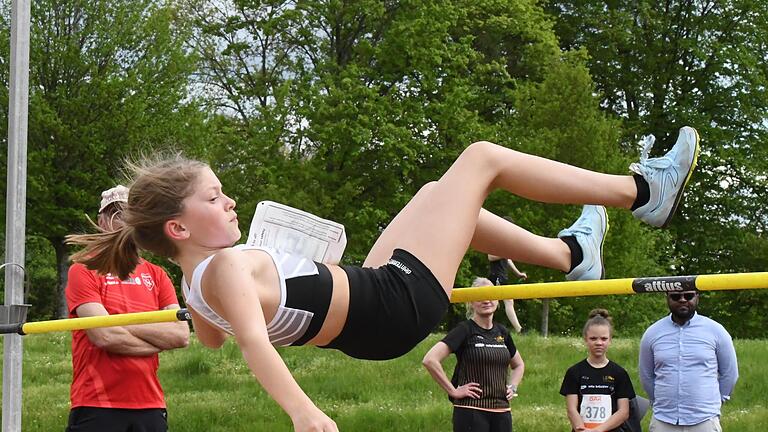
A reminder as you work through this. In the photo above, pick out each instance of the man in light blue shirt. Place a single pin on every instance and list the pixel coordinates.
(688, 368)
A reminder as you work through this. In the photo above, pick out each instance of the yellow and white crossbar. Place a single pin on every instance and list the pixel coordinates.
(713, 282)
(169, 315)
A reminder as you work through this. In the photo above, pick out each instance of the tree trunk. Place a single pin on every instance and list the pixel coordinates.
(545, 317)
(62, 268)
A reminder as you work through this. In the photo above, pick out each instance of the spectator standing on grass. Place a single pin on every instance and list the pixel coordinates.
(688, 367)
(114, 369)
(488, 370)
(597, 390)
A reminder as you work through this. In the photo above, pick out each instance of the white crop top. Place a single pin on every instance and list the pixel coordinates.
(289, 324)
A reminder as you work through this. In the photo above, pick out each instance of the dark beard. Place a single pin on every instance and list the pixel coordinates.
(684, 316)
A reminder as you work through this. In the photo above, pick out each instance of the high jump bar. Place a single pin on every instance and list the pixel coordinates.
(713, 282)
(169, 315)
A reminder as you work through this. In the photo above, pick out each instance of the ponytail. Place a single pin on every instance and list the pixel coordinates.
(113, 252)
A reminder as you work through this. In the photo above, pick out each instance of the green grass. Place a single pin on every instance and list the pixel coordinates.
(210, 390)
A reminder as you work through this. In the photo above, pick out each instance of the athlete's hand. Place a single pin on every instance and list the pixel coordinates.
(522, 276)
(470, 390)
(314, 420)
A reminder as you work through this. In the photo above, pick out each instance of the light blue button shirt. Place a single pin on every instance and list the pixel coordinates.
(688, 370)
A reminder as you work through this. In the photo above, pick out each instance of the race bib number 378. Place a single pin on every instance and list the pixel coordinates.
(595, 409)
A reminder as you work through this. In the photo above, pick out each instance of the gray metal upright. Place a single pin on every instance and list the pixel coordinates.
(16, 212)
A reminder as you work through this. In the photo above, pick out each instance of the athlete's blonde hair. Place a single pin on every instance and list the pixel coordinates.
(156, 195)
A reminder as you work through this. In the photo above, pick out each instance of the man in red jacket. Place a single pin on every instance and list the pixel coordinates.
(114, 369)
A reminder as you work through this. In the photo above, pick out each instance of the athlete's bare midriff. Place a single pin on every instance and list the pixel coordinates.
(268, 288)
(337, 310)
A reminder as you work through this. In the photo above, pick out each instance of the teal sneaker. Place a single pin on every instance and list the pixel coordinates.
(666, 177)
(589, 231)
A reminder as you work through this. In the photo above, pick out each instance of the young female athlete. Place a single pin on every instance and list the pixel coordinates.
(597, 391)
(177, 209)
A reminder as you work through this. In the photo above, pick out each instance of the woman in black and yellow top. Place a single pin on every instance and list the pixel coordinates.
(597, 391)
(481, 387)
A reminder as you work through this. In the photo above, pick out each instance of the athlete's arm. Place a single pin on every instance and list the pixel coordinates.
(236, 299)
(208, 335)
(516, 371)
(571, 405)
(646, 367)
(117, 340)
(727, 364)
(616, 419)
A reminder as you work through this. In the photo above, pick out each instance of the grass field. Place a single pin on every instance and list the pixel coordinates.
(210, 390)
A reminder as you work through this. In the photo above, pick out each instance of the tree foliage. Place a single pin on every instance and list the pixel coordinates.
(108, 79)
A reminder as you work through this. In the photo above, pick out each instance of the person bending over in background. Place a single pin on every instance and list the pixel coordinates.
(498, 273)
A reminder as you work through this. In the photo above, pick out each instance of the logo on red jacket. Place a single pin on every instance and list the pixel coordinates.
(148, 282)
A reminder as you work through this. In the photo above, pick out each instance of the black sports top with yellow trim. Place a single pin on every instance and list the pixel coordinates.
(305, 295)
(482, 356)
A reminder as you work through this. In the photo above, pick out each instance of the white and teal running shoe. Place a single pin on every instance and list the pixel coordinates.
(666, 176)
(589, 231)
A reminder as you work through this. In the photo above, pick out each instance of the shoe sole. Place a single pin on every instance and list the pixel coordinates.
(679, 196)
(602, 242)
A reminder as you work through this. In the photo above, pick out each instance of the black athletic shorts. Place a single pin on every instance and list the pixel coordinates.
(391, 308)
(472, 420)
(93, 419)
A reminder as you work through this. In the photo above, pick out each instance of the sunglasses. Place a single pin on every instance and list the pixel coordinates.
(677, 296)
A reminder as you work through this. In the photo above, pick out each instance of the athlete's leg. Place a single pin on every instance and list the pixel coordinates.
(462, 419)
(150, 420)
(439, 223)
(497, 236)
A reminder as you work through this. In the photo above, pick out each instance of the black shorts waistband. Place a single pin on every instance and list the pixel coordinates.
(315, 297)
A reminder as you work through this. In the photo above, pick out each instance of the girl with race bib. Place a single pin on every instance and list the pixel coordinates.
(597, 391)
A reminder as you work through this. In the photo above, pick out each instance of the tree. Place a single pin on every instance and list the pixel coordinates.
(108, 79)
